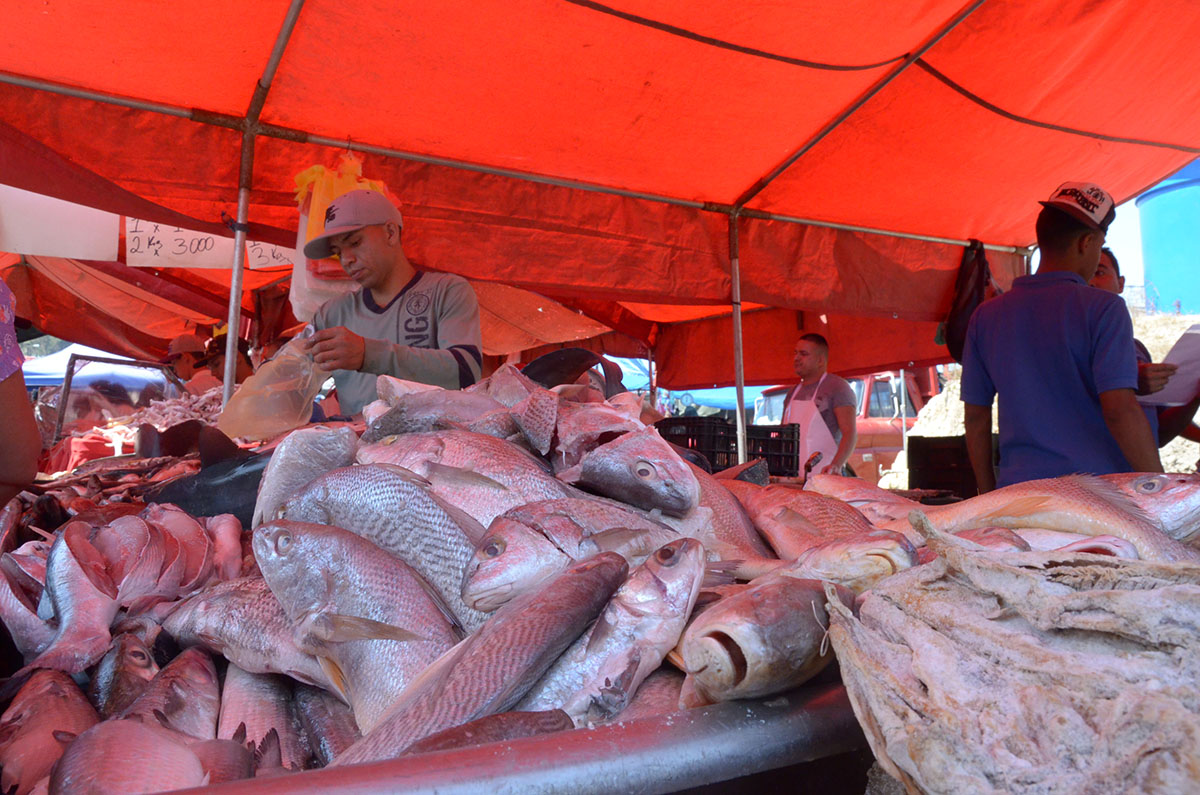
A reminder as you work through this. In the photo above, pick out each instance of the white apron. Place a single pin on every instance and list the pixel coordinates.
(814, 433)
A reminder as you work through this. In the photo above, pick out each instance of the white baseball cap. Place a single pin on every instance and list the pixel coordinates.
(1084, 201)
(185, 343)
(349, 213)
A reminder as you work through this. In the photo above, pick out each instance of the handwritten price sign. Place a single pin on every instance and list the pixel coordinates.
(153, 245)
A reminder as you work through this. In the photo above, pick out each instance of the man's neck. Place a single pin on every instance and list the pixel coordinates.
(400, 276)
(812, 379)
(1061, 266)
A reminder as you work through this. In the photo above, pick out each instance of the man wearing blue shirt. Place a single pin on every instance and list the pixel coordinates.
(1060, 356)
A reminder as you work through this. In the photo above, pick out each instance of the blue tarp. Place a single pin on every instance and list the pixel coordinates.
(52, 369)
(636, 377)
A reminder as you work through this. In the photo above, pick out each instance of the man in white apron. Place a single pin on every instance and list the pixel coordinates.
(824, 406)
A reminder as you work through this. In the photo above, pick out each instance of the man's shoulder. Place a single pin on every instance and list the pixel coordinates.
(340, 304)
(436, 280)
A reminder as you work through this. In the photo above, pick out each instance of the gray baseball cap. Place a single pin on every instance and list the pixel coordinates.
(351, 212)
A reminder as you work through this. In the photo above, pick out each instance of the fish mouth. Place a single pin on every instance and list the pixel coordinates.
(738, 666)
(885, 557)
(490, 598)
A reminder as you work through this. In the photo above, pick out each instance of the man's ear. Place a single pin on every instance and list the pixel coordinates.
(393, 232)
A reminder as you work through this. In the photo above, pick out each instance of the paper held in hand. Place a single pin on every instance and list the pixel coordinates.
(1185, 383)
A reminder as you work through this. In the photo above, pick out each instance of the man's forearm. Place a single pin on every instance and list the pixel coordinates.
(978, 433)
(1129, 427)
(845, 448)
(1174, 420)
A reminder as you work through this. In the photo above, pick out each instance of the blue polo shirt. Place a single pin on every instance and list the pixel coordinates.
(1048, 348)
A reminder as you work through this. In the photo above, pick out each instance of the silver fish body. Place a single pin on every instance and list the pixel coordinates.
(260, 703)
(346, 598)
(303, 456)
(49, 702)
(184, 695)
(492, 669)
(122, 675)
(396, 510)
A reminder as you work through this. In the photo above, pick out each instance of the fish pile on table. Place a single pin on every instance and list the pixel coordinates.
(485, 565)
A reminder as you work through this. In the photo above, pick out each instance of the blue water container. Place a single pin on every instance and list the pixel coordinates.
(1170, 221)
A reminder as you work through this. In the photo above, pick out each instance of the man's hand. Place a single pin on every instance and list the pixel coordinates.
(337, 348)
(1153, 377)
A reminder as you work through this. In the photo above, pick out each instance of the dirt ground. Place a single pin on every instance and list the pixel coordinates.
(943, 415)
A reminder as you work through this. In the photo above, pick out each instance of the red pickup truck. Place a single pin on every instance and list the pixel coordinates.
(882, 413)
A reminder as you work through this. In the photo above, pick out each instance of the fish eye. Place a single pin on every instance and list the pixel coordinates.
(138, 656)
(493, 548)
(1150, 485)
(283, 542)
(666, 555)
(643, 469)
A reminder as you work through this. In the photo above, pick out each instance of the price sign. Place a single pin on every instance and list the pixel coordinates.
(268, 255)
(154, 245)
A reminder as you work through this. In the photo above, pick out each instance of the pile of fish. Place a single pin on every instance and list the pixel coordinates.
(469, 567)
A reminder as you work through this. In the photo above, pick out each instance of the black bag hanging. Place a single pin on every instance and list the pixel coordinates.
(969, 287)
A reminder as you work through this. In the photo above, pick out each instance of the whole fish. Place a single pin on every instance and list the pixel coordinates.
(1082, 504)
(528, 545)
(244, 622)
(641, 469)
(122, 675)
(1048, 540)
(598, 675)
(482, 475)
(47, 709)
(118, 757)
(1172, 500)
(328, 724)
(494, 729)
(492, 669)
(184, 696)
(759, 640)
(303, 455)
(397, 510)
(371, 620)
(84, 600)
(259, 704)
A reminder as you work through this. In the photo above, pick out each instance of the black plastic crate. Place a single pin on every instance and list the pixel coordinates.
(942, 462)
(712, 437)
(778, 444)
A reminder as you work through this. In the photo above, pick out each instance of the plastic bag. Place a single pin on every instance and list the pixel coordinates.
(277, 398)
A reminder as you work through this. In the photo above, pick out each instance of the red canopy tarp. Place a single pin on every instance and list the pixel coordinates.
(931, 118)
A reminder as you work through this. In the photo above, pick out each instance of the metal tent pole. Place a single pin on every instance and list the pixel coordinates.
(245, 180)
(739, 374)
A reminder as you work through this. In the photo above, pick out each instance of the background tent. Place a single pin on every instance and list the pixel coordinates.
(625, 159)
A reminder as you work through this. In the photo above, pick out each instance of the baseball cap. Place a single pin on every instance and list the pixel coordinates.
(216, 347)
(184, 343)
(348, 213)
(1085, 202)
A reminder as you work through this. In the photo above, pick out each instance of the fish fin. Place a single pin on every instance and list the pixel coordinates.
(614, 696)
(337, 628)
(720, 572)
(461, 477)
(406, 474)
(1019, 507)
(1107, 492)
(471, 527)
(627, 541)
(751, 568)
(444, 608)
(793, 519)
(601, 629)
(269, 753)
(336, 678)
(64, 737)
(239, 734)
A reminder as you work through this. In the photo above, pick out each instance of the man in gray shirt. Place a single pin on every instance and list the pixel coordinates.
(821, 393)
(406, 323)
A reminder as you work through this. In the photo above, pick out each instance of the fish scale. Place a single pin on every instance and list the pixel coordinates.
(261, 702)
(491, 670)
(389, 506)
